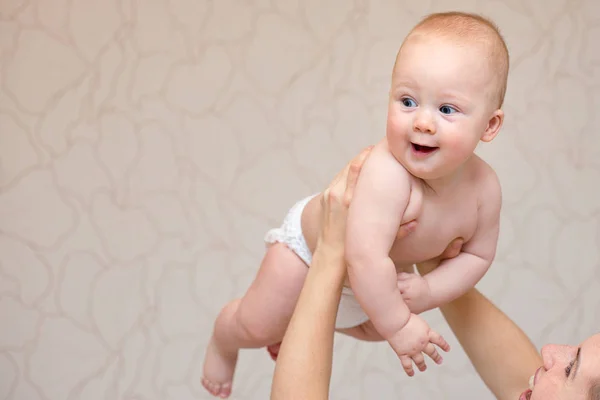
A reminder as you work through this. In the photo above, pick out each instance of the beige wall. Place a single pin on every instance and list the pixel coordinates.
(146, 146)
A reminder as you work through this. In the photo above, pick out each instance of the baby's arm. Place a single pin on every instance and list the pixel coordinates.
(380, 199)
(454, 277)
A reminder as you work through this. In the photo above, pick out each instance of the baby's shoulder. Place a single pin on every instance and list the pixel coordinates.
(485, 179)
(384, 163)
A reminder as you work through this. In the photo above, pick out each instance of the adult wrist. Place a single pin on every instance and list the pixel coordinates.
(330, 246)
(330, 255)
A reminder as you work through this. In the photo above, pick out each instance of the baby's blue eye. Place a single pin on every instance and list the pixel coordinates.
(407, 102)
(447, 110)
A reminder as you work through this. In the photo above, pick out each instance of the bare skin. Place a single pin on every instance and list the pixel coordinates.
(447, 189)
(425, 169)
(295, 377)
(273, 295)
(503, 356)
(501, 353)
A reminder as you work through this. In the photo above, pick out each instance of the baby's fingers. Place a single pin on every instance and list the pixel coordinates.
(403, 276)
(420, 361)
(407, 365)
(404, 289)
(438, 340)
(432, 352)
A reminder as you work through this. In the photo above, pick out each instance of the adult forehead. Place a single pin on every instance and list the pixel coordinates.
(589, 367)
(593, 344)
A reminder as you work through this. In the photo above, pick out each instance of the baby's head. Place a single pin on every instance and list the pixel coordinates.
(448, 87)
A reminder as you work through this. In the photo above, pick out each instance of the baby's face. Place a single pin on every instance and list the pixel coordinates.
(440, 105)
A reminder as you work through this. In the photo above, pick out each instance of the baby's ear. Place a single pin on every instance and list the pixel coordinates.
(493, 127)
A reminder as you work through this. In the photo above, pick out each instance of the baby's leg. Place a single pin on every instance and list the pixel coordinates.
(365, 331)
(258, 319)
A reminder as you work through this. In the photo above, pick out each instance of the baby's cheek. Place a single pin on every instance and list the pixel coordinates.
(396, 137)
(397, 148)
(460, 147)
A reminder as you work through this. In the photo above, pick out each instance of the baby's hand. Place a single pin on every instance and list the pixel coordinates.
(415, 338)
(415, 292)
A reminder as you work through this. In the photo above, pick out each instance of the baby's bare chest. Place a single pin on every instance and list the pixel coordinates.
(440, 220)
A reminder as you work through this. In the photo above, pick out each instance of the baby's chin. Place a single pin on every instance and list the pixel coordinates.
(426, 174)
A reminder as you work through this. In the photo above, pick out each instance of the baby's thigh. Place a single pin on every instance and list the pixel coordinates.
(271, 298)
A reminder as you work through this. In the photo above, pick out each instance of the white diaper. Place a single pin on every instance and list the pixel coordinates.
(350, 314)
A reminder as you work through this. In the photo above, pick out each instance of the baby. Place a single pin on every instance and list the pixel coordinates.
(447, 90)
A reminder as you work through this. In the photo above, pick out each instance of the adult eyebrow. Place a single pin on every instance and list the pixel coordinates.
(576, 364)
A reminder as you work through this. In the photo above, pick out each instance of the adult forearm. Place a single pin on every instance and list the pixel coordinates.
(303, 369)
(502, 354)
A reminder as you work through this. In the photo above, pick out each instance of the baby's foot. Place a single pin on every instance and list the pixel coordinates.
(218, 371)
(216, 389)
(274, 350)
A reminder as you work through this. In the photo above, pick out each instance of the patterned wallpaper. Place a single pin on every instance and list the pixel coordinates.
(146, 147)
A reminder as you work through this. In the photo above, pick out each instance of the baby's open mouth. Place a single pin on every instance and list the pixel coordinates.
(423, 149)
